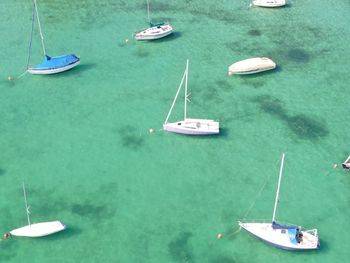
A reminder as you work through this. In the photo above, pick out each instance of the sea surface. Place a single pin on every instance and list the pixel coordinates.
(81, 140)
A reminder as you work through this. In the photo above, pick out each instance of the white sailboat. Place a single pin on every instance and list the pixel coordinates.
(289, 237)
(189, 126)
(269, 3)
(37, 229)
(155, 30)
(49, 65)
(251, 66)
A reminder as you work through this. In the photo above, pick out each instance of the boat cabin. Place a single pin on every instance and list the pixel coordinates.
(294, 232)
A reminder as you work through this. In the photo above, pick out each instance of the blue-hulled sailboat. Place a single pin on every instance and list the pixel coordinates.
(50, 65)
(289, 237)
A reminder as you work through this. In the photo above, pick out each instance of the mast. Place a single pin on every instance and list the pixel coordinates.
(278, 190)
(25, 203)
(149, 19)
(185, 111)
(41, 33)
(177, 93)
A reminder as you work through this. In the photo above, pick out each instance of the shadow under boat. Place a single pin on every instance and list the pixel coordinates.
(260, 74)
(68, 233)
(171, 37)
(223, 134)
(77, 71)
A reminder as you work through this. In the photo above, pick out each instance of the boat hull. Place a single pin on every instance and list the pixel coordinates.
(269, 3)
(193, 127)
(155, 32)
(251, 66)
(281, 238)
(39, 229)
(46, 69)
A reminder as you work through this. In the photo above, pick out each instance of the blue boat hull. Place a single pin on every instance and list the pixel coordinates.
(53, 65)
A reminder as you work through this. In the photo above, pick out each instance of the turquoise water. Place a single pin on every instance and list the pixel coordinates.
(80, 140)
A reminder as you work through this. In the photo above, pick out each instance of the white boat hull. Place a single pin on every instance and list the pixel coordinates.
(280, 237)
(155, 32)
(251, 66)
(193, 127)
(269, 3)
(39, 229)
(52, 71)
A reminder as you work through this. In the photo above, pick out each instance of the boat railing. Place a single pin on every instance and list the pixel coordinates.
(280, 223)
(312, 232)
(255, 221)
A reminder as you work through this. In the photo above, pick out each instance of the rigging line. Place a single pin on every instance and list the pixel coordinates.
(31, 39)
(40, 31)
(236, 232)
(26, 204)
(256, 197)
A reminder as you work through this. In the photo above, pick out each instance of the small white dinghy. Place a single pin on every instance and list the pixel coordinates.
(190, 126)
(289, 237)
(37, 229)
(155, 30)
(251, 66)
(269, 3)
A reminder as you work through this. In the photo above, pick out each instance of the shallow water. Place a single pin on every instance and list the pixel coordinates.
(80, 140)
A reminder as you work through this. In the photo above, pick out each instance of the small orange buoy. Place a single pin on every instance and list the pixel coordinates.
(10, 78)
(219, 236)
(151, 130)
(6, 235)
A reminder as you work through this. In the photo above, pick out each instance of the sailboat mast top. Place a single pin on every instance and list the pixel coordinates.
(278, 190)
(25, 203)
(185, 111)
(41, 33)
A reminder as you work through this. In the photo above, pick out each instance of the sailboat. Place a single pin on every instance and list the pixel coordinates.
(189, 126)
(269, 3)
(37, 229)
(289, 237)
(50, 65)
(155, 30)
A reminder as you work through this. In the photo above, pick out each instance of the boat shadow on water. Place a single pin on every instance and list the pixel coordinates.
(171, 37)
(78, 70)
(277, 70)
(223, 135)
(69, 232)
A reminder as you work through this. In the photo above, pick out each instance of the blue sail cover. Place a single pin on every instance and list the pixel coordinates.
(292, 231)
(56, 62)
(156, 24)
(279, 226)
(292, 234)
